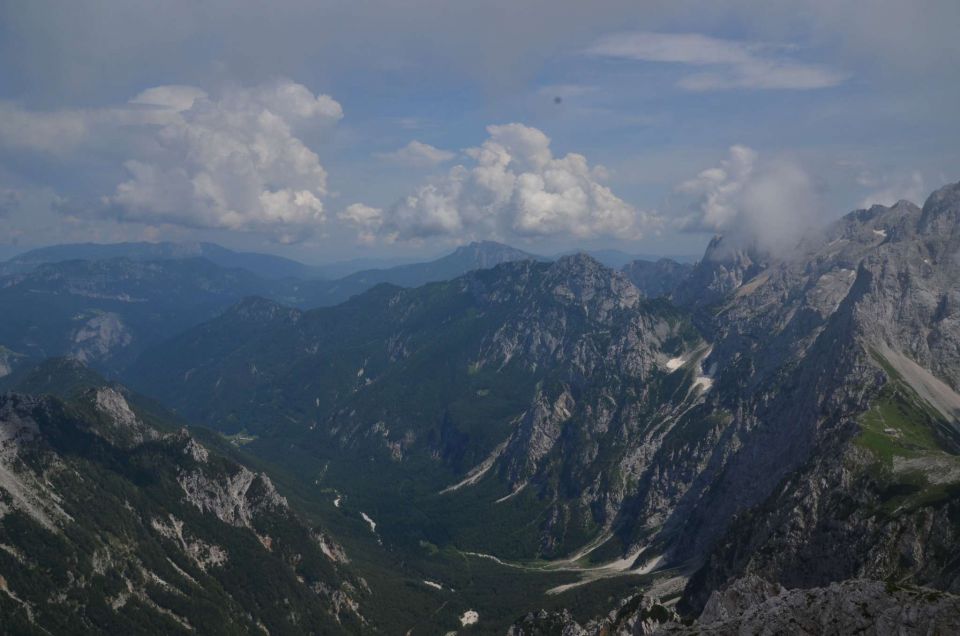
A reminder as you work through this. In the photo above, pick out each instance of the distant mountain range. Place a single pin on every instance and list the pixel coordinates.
(104, 303)
(263, 265)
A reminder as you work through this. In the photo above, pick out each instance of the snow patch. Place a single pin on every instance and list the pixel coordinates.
(881, 233)
(703, 382)
(513, 494)
(675, 363)
(433, 584)
(490, 557)
(612, 569)
(476, 473)
(370, 522)
(470, 617)
(704, 378)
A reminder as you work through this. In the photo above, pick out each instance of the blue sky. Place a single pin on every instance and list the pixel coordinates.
(329, 130)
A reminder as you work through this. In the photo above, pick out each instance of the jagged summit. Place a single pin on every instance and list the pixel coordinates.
(941, 212)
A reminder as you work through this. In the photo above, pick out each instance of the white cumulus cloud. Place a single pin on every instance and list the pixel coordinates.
(232, 162)
(367, 220)
(727, 64)
(513, 186)
(769, 203)
(418, 155)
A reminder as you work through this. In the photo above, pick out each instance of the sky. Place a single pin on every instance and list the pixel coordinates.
(328, 130)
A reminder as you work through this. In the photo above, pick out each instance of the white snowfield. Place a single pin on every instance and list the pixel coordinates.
(370, 522)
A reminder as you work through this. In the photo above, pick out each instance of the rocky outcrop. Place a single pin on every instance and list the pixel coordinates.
(752, 605)
(857, 606)
(100, 336)
(634, 616)
(235, 498)
(118, 424)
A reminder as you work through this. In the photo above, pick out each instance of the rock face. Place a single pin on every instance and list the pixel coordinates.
(236, 498)
(109, 525)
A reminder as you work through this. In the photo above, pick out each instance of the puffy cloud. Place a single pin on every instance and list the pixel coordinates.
(417, 154)
(770, 204)
(514, 187)
(171, 97)
(366, 219)
(231, 162)
(734, 64)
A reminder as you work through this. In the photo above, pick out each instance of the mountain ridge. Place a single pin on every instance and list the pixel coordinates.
(146, 529)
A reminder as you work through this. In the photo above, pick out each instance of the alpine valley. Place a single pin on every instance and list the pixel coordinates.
(194, 440)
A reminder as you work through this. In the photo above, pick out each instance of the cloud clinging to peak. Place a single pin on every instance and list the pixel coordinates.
(767, 202)
(890, 190)
(721, 64)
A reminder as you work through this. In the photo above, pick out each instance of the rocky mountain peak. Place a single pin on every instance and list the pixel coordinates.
(941, 212)
(726, 265)
(582, 279)
(118, 424)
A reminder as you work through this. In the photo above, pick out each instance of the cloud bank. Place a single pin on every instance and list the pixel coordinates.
(513, 187)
